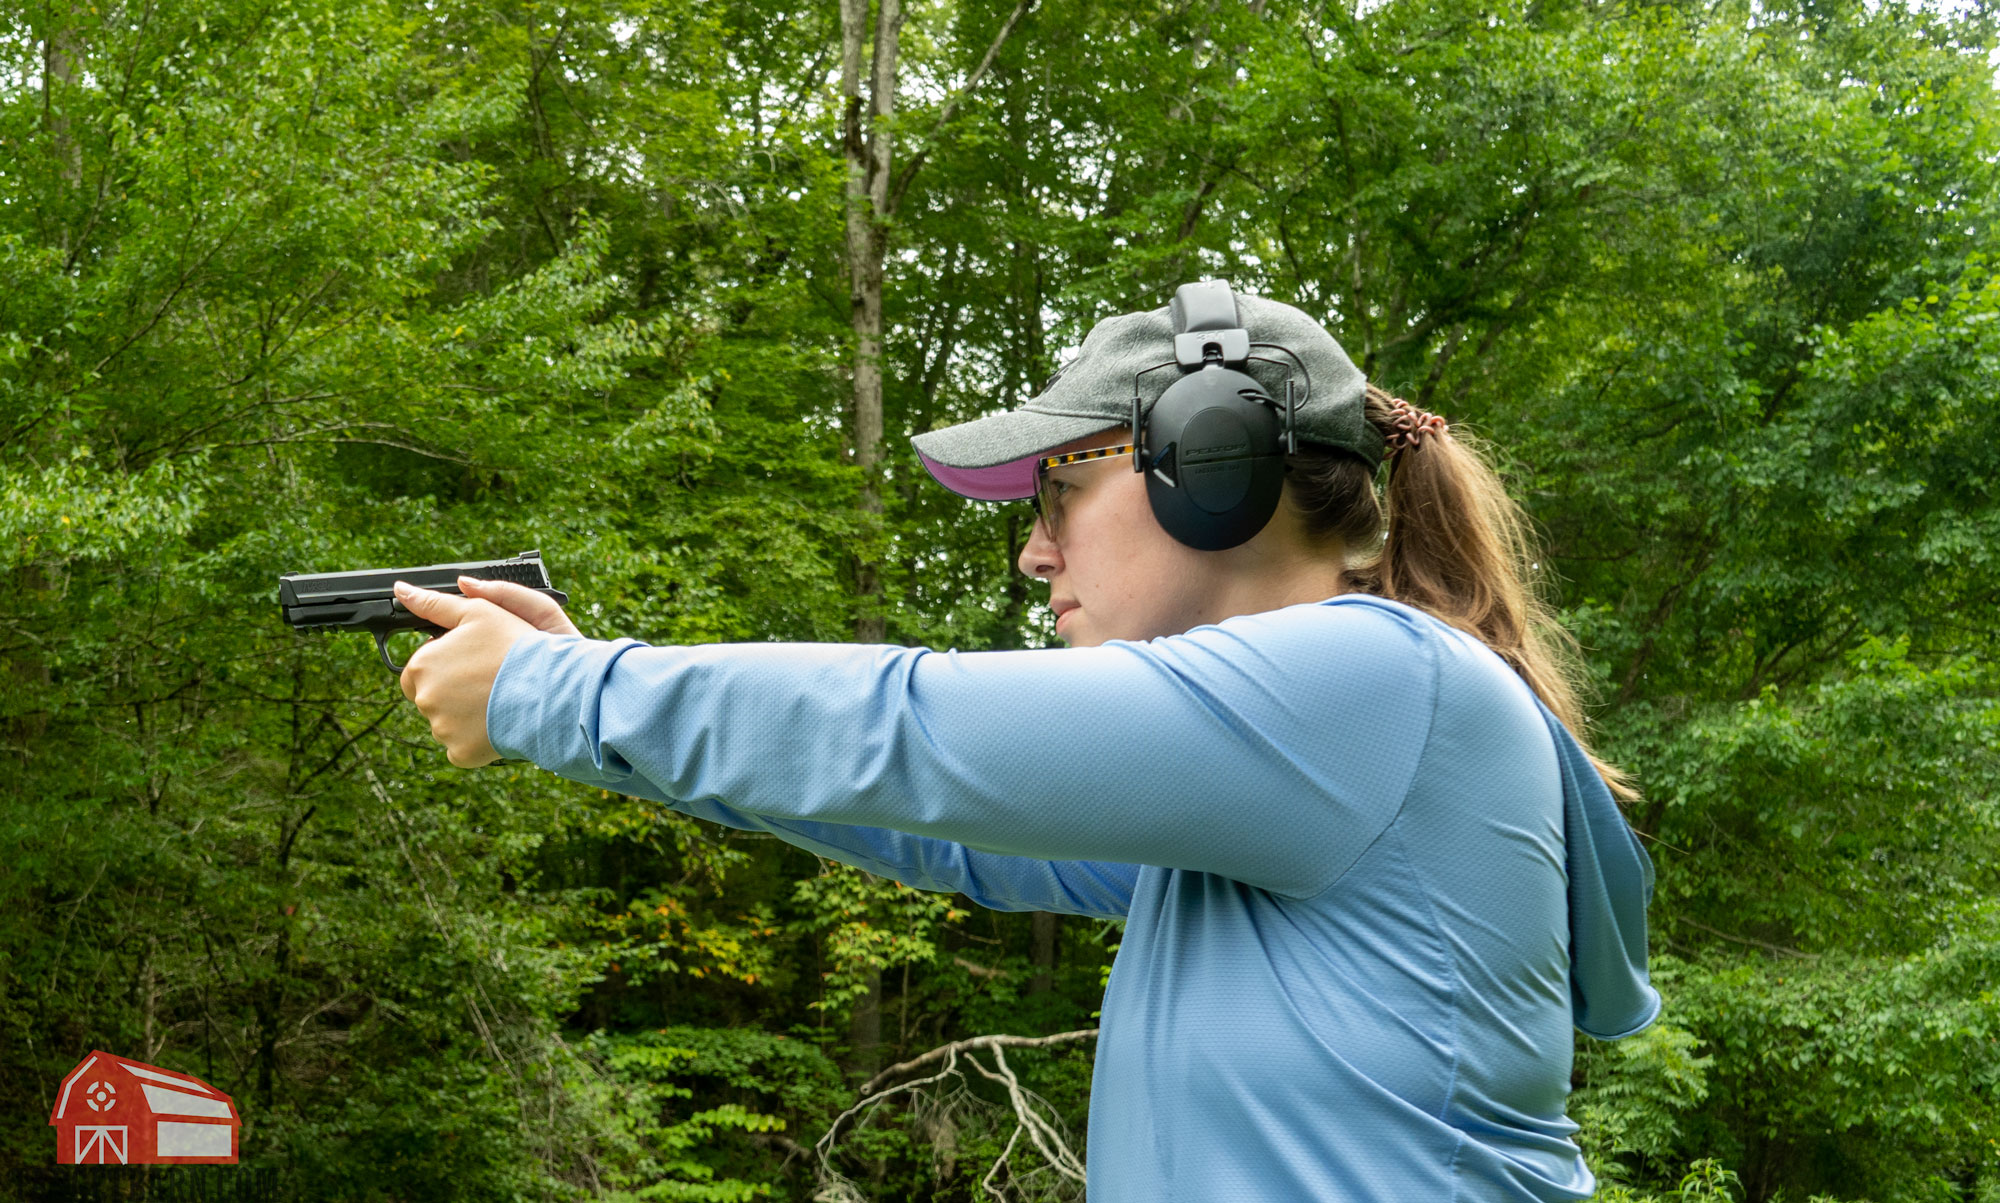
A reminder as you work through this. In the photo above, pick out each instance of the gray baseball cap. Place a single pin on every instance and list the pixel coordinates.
(993, 458)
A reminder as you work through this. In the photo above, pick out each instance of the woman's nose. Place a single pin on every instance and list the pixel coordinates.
(1039, 556)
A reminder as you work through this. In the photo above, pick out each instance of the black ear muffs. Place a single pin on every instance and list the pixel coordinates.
(1218, 466)
(1213, 445)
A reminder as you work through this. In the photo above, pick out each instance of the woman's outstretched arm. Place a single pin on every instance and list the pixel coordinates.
(1271, 748)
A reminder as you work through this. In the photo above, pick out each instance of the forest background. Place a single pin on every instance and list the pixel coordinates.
(660, 287)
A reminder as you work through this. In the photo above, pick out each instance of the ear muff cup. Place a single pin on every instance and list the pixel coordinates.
(1215, 446)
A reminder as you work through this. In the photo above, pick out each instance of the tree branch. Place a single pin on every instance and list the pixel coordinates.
(950, 110)
(958, 1046)
(1043, 1132)
(1766, 945)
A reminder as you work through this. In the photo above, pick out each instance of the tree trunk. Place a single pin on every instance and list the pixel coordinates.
(869, 150)
(26, 675)
(62, 49)
(1044, 977)
(864, 1029)
(149, 1001)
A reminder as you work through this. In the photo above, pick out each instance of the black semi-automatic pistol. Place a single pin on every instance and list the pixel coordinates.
(366, 600)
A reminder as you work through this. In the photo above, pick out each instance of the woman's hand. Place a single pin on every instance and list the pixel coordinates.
(538, 608)
(451, 677)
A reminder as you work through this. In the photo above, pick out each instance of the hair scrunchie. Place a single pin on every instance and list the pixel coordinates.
(1408, 426)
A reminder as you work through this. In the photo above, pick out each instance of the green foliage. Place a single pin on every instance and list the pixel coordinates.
(312, 286)
(870, 924)
(664, 1155)
(1639, 1093)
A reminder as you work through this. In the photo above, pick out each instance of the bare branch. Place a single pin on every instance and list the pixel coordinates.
(1048, 1142)
(986, 1183)
(958, 1046)
(1031, 1113)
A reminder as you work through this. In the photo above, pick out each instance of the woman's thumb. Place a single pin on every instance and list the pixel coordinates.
(441, 608)
(539, 609)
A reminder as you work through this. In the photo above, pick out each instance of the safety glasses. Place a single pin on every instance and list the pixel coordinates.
(1049, 489)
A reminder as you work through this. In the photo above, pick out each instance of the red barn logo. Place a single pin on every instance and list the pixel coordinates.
(111, 1111)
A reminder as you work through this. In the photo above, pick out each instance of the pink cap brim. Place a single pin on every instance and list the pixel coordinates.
(1011, 481)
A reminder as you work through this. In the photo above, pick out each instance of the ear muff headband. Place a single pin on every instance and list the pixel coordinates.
(1213, 446)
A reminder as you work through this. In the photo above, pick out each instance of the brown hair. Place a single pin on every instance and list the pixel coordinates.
(1457, 547)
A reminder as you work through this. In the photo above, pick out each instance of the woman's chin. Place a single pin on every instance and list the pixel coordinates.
(1066, 626)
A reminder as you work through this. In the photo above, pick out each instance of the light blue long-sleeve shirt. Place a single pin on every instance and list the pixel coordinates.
(1370, 883)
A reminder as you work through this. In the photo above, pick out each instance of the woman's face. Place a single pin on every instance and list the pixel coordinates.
(1115, 573)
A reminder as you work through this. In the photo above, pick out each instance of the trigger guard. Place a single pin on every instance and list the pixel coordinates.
(382, 646)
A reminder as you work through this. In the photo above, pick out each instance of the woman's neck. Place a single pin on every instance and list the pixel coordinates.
(1275, 575)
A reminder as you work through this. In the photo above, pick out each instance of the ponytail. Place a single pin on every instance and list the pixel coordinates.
(1456, 547)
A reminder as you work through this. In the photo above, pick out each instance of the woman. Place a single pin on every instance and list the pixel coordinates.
(1370, 880)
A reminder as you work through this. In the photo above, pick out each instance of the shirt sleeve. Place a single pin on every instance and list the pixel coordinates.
(1095, 889)
(1271, 748)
